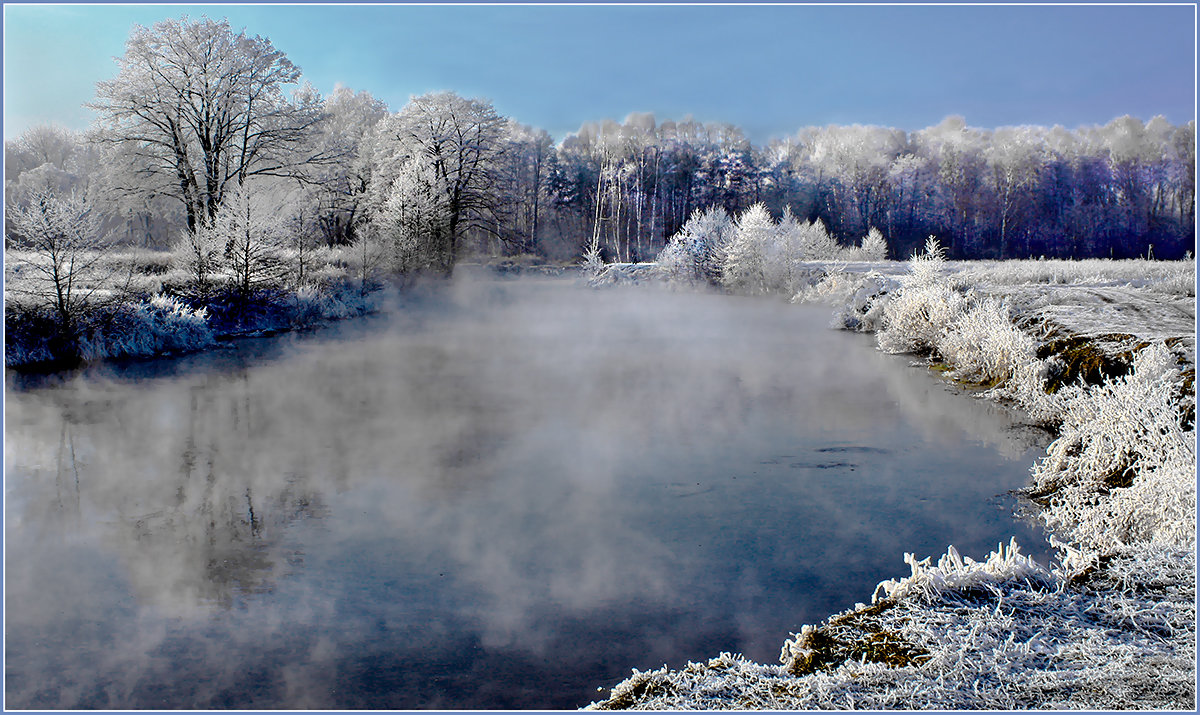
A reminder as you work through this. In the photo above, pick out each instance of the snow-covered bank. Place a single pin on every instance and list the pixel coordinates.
(1112, 624)
(163, 324)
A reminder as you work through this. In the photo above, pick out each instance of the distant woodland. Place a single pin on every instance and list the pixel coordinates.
(199, 116)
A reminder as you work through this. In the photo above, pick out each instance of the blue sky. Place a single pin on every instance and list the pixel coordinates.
(770, 70)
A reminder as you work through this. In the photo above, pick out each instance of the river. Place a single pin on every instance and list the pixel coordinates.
(502, 494)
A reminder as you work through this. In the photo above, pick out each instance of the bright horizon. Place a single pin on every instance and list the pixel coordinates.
(770, 70)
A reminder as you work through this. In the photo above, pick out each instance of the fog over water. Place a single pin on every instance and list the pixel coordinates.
(500, 495)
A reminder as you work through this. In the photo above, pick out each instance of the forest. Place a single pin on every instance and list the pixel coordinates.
(212, 156)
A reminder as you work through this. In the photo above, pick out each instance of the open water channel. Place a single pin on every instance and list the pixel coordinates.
(501, 495)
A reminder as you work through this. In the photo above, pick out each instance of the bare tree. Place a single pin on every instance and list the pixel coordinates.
(64, 266)
(199, 108)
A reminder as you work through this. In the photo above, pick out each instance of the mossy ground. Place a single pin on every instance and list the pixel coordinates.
(855, 635)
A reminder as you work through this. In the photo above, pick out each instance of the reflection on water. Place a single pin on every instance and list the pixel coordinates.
(501, 498)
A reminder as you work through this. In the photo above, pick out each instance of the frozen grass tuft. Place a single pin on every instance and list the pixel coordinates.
(161, 324)
(956, 573)
(1123, 468)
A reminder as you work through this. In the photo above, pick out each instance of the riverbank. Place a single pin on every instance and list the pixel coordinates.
(1103, 353)
(165, 324)
(157, 312)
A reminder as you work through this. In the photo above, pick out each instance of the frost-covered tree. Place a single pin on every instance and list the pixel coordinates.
(783, 252)
(523, 185)
(1015, 159)
(64, 242)
(815, 241)
(198, 251)
(253, 232)
(460, 140)
(697, 250)
(413, 220)
(874, 246)
(200, 108)
(341, 188)
(745, 260)
(41, 144)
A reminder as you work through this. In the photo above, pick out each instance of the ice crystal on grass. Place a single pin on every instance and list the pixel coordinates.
(161, 324)
(1123, 468)
(1122, 639)
(956, 572)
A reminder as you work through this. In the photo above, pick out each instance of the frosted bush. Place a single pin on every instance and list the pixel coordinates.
(917, 319)
(1122, 470)
(312, 304)
(860, 297)
(984, 346)
(1027, 388)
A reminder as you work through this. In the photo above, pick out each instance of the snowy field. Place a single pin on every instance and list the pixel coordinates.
(1103, 354)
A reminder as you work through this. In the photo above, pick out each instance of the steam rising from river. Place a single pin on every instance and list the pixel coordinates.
(521, 469)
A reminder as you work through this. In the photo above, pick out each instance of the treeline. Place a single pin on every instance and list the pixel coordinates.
(446, 175)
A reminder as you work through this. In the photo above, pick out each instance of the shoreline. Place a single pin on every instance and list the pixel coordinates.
(938, 637)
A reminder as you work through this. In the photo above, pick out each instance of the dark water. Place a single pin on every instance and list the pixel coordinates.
(501, 498)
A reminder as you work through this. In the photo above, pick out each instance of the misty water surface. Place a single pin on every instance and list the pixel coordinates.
(500, 496)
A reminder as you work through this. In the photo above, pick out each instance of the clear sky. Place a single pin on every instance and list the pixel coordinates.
(770, 70)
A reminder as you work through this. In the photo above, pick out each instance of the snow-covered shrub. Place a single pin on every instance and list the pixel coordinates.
(1027, 388)
(1123, 468)
(161, 324)
(698, 249)
(313, 304)
(859, 297)
(928, 303)
(592, 262)
(984, 346)
(30, 334)
(745, 260)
